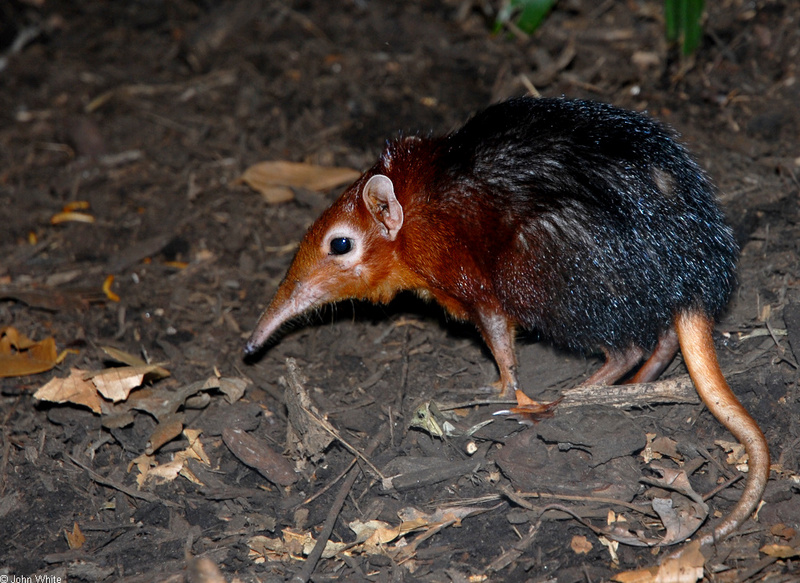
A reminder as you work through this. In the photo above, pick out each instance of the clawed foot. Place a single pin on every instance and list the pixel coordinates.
(529, 411)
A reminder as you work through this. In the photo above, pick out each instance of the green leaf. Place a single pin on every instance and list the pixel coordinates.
(682, 21)
(530, 14)
(533, 13)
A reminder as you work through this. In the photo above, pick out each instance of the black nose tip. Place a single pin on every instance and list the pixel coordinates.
(251, 348)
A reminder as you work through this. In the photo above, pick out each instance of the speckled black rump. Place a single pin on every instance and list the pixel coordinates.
(592, 224)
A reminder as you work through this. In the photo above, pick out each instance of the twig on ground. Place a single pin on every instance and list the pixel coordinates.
(146, 496)
(311, 562)
(330, 429)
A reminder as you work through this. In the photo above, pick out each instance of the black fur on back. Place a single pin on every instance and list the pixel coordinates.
(592, 225)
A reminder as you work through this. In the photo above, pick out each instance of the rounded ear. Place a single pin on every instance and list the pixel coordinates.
(383, 205)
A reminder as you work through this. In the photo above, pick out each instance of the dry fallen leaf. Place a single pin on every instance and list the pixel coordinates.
(166, 472)
(293, 546)
(646, 575)
(143, 463)
(330, 550)
(263, 549)
(169, 427)
(107, 283)
(780, 551)
(121, 356)
(204, 569)
(233, 388)
(195, 450)
(69, 212)
(76, 205)
(274, 194)
(429, 523)
(75, 539)
(737, 456)
(21, 356)
(162, 401)
(611, 546)
(295, 541)
(257, 454)
(374, 537)
(666, 447)
(50, 299)
(686, 567)
(73, 389)
(66, 217)
(782, 530)
(580, 545)
(115, 384)
(414, 519)
(648, 454)
(374, 533)
(681, 518)
(272, 179)
(149, 469)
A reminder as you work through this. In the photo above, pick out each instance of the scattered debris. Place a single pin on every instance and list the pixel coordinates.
(150, 469)
(304, 435)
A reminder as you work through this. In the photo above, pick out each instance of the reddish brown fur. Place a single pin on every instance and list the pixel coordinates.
(697, 345)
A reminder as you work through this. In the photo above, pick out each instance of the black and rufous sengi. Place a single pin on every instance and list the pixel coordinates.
(587, 223)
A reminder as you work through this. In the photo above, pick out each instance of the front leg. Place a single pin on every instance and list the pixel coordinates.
(498, 332)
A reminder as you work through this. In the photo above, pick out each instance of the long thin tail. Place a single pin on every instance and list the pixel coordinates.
(694, 333)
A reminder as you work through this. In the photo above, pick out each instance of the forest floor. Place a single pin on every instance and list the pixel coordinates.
(137, 119)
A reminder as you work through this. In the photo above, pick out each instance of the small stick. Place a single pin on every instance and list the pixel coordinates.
(6, 445)
(329, 428)
(146, 496)
(520, 498)
(668, 391)
(515, 552)
(311, 562)
(329, 485)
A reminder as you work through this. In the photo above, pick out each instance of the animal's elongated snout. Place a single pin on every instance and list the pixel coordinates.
(293, 299)
(259, 337)
(280, 310)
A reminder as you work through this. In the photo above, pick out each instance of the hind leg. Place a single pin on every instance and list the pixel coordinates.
(617, 365)
(665, 351)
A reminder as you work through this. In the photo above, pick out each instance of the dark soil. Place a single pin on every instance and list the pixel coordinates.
(150, 111)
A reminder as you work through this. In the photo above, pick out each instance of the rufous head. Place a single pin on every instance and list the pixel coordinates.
(350, 252)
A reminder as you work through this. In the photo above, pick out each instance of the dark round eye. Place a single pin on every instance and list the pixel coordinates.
(341, 245)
